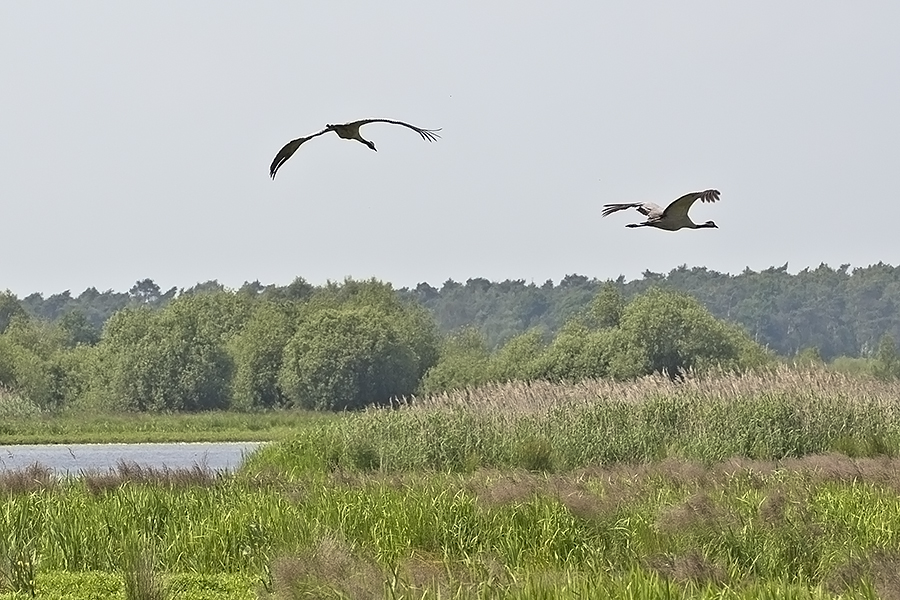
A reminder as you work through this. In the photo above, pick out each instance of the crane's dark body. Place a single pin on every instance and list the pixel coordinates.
(673, 217)
(346, 131)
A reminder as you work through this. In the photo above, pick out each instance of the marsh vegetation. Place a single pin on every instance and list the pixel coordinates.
(783, 484)
(641, 447)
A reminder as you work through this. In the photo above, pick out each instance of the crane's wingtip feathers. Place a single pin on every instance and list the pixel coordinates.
(346, 131)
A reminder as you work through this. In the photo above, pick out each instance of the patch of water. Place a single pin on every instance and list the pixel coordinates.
(73, 459)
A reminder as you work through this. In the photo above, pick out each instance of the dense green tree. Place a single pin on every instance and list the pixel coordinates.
(56, 305)
(887, 359)
(119, 383)
(97, 307)
(511, 329)
(500, 310)
(658, 331)
(298, 289)
(809, 356)
(464, 361)
(873, 305)
(257, 352)
(77, 330)
(671, 332)
(838, 311)
(251, 289)
(211, 286)
(145, 291)
(412, 322)
(519, 359)
(347, 358)
(31, 362)
(7, 363)
(572, 294)
(578, 352)
(170, 360)
(750, 354)
(425, 292)
(605, 309)
(10, 308)
(219, 314)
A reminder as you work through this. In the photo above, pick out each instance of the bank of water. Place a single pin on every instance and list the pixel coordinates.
(73, 459)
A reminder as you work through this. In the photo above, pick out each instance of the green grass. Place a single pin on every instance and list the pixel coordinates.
(96, 585)
(72, 428)
(800, 526)
(637, 584)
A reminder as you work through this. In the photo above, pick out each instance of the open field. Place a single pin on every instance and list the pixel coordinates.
(778, 486)
(76, 428)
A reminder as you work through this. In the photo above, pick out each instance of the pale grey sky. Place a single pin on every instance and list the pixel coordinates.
(135, 139)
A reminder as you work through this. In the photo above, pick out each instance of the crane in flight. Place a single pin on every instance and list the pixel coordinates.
(673, 217)
(346, 131)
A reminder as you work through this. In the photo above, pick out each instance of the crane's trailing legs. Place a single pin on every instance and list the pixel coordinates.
(673, 217)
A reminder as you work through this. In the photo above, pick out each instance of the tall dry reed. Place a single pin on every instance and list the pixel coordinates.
(538, 396)
(543, 426)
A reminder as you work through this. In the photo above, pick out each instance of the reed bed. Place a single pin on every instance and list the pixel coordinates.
(790, 381)
(555, 427)
(13, 406)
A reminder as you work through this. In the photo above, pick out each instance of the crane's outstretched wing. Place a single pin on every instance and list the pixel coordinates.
(288, 150)
(645, 208)
(681, 206)
(429, 135)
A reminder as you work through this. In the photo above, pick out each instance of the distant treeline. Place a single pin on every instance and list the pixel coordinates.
(351, 344)
(839, 312)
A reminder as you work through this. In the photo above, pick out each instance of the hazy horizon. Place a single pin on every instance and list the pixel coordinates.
(436, 284)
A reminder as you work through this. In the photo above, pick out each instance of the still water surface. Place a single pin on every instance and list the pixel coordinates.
(72, 459)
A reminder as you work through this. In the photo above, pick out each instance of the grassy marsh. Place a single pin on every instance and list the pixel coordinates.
(783, 485)
(821, 524)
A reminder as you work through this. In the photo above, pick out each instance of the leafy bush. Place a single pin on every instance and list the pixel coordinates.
(10, 310)
(671, 332)
(577, 353)
(257, 352)
(174, 359)
(519, 359)
(887, 359)
(32, 362)
(347, 358)
(464, 361)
